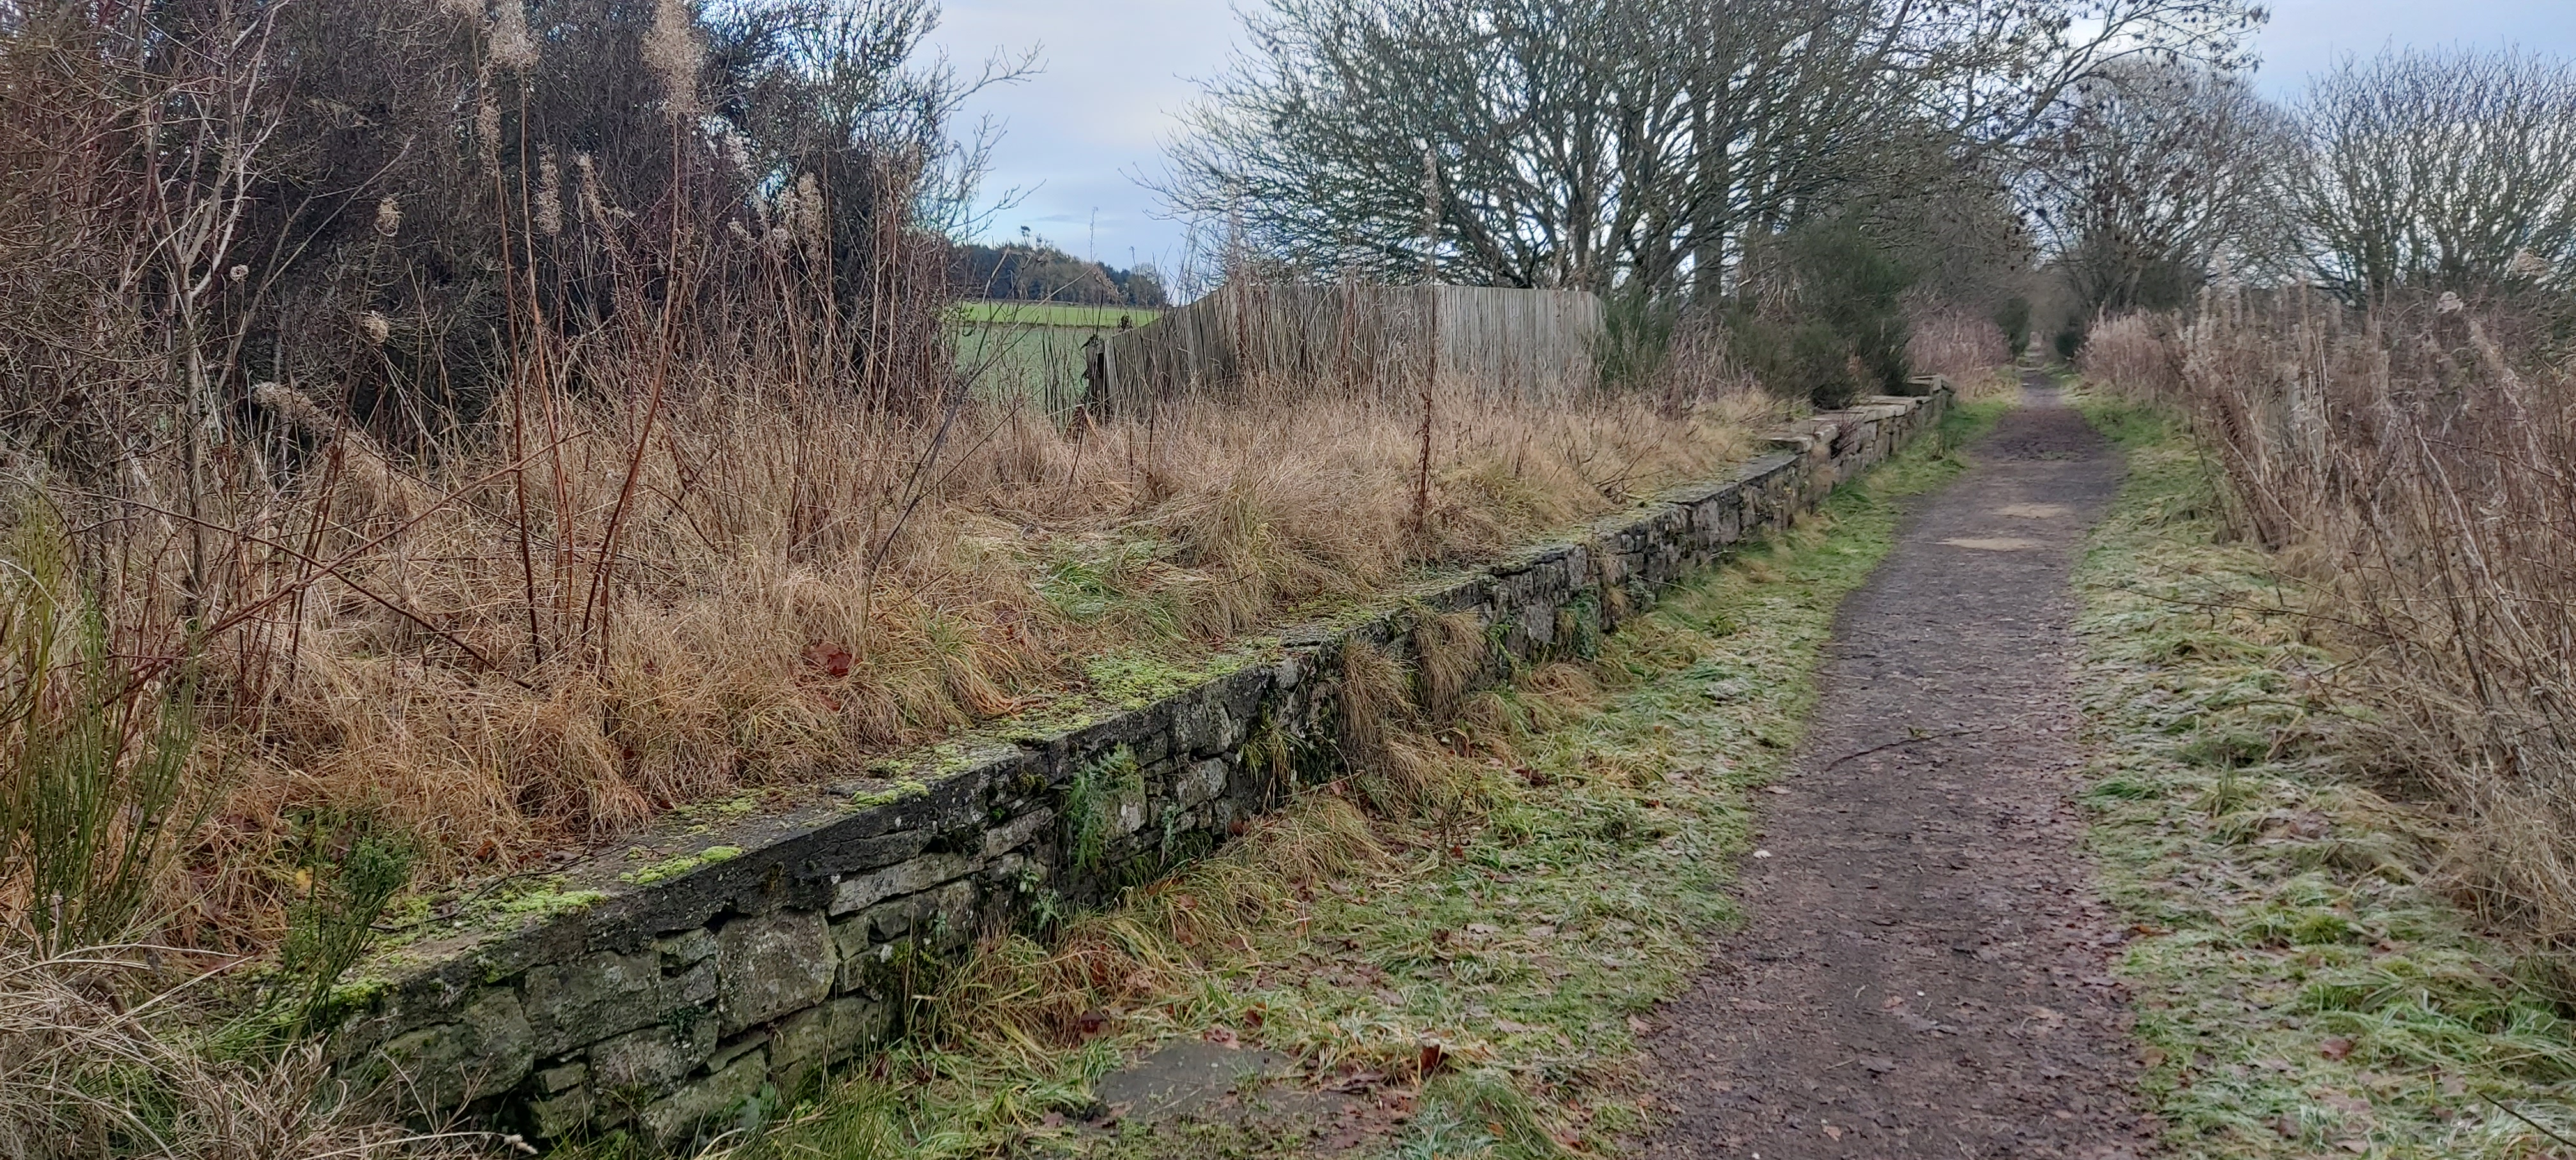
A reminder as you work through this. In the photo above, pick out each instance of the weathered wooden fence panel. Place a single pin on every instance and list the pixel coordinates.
(1269, 341)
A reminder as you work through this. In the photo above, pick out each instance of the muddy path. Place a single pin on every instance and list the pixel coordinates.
(1924, 969)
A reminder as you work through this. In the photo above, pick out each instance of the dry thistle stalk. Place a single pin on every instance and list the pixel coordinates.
(549, 199)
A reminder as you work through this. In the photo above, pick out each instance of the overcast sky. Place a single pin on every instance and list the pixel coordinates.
(1076, 136)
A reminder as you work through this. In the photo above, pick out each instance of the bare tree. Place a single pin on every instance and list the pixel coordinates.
(2451, 169)
(1608, 142)
(2152, 174)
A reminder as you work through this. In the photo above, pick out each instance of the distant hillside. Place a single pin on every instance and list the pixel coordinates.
(1042, 273)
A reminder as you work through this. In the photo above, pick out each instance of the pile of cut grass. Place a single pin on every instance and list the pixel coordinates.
(1470, 960)
(2304, 986)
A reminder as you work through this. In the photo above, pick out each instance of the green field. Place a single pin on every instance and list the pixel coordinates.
(1033, 350)
(1064, 314)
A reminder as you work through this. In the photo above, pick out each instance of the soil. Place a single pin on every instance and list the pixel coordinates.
(1924, 970)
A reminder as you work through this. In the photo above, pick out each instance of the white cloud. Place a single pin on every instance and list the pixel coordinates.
(1116, 74)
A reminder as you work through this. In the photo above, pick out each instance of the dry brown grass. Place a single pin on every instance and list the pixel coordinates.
(1962, 346)
(798, 582)
(2136, 352)
(100, 1056)
(2417, 465)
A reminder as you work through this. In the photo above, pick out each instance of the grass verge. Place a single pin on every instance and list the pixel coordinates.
(2304, 987)
(1461, 980)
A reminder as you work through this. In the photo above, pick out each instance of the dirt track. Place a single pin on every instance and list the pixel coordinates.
(1924, 969)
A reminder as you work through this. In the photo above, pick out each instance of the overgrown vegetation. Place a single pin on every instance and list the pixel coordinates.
(1593, 805)
(2410, 469)
(2306, 982)
(582, 436)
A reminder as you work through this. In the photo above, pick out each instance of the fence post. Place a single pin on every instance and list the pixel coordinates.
(1095, 374)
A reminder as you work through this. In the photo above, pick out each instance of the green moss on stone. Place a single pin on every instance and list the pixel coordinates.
(670, 868)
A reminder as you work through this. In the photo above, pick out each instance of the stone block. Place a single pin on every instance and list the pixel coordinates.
(644, 1063)
(555, 1079)
(1127, 814)
(769, 965)
(739, 1046)
(859, 855)
(911, 877)
(1017, 832)
(695, 987)
(558, 1116)
(705, 1106)
(686, 949)
(944, 919)
(488, 1050)
(592, 998)
(1201, 781)
(814, 1039)
(1202, 725)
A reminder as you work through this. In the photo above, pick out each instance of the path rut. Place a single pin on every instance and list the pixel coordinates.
(1925, 965)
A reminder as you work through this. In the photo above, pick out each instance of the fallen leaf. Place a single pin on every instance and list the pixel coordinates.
(1639, 1026)
(2335, 1047)
(1878, 1064)
(832, 657)
(1782, 790)
(2356, 1147)
(1483, 928)
(1223, 1036)
(1833, 1133)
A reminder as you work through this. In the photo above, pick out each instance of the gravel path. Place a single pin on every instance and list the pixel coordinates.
(1925, 967)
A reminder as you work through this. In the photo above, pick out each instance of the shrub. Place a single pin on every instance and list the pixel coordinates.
(1823, 317)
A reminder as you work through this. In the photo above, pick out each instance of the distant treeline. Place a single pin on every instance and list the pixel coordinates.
(1042, 273)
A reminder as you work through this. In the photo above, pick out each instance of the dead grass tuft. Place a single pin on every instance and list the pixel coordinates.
(1100, 966)
(1372, 697)
(1451, 652)
(98, 1057)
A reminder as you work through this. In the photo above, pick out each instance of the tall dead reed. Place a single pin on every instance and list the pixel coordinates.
(2417, 465)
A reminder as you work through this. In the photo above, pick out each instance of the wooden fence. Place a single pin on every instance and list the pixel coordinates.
(1268, 342)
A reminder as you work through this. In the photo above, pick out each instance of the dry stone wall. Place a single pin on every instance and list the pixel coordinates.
(672, 994)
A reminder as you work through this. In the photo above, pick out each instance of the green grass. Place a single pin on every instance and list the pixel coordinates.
(1520, 924)
(2303, 986)
(1033, 350)
(1054, 314)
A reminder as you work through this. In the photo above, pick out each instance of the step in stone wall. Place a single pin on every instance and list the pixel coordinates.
(665, 993)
